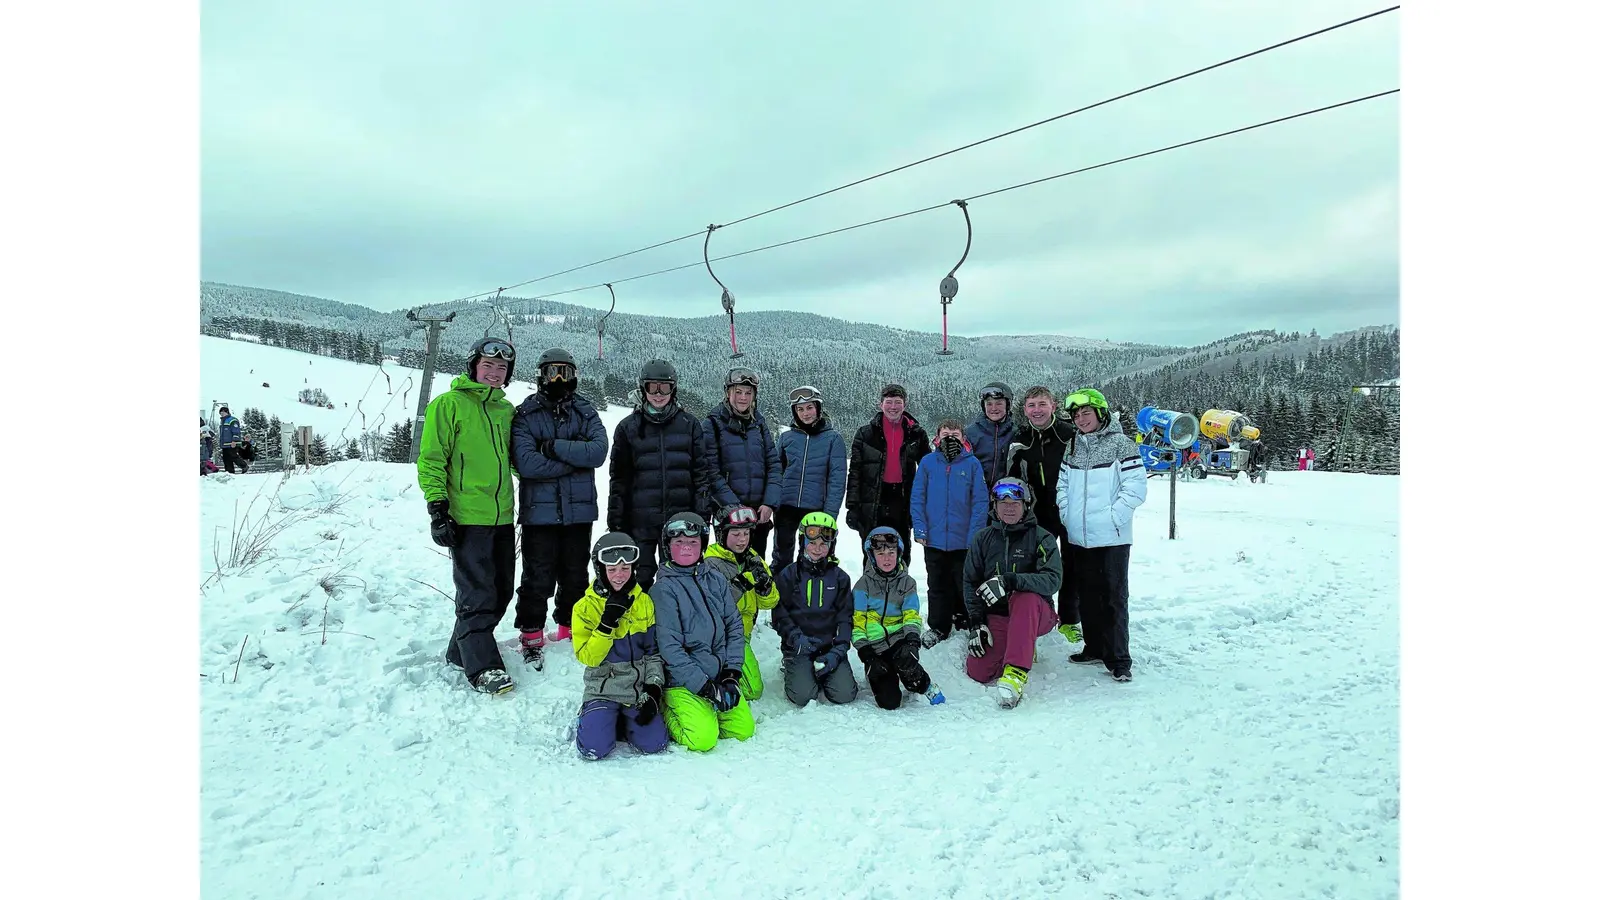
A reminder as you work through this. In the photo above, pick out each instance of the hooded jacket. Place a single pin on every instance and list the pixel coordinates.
(659, 466)
(812, 459)
(814, 602)
(1102, 482)
(465, 453)
(724, 561)
(1025, 556)
(229, 431)
(744, 454)
(868, 452)
(990, 442)
(619, 664)
(558, 489)
(697, 623)
(887, 609)
(1038, 462)
(949, 501)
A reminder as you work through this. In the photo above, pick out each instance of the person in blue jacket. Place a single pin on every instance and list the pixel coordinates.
(557, 442)
(949, 505)
(741, 450)
(812, 458)
(989, 435)
(814, 617)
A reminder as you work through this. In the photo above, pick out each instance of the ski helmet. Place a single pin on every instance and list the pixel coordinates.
(684, 524)
(884, 535)
(1088, 397)
(730, 517)
(613, 548)
(819, 524)
(805, 393)
(741, 375)
(659, 370)
(491, 347)
(1012, 489)
(996, 389)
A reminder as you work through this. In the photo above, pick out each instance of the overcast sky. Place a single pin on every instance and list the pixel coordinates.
(402, 152)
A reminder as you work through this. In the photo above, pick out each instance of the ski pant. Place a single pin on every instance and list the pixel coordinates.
(230, 458)
(484, 561)
(555, 559)
(946, 606)
(1068, 606)
(751, 686)
(1029, 618)
(888, 670)
(893, 511)
(648, 537)
(602, 722)
(1102, 575)
(693, 722)
(786, 527)
(801, 684)
(758, 535)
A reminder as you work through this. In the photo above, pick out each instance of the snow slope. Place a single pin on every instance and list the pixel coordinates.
(1255, 755)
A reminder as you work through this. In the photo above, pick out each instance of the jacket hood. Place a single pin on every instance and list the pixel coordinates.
(670, 569)
(727, 413)
(815, 428)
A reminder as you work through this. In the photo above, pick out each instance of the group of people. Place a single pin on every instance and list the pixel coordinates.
(237, 450)
(1026, 527)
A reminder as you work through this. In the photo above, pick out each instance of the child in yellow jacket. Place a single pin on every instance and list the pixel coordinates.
(751, 580)
(614, 636)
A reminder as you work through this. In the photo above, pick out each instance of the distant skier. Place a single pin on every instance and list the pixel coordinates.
(812, 457)
(614, 635)
(989, 435)
(1041, 446)
(464, 470)
(886, 623)
(813, 618)
(883, 463)
(751, 580)
(1013, 567)
(743, 453)
(557, 443)
(949, 504)
(659, 466)
(1102, 483)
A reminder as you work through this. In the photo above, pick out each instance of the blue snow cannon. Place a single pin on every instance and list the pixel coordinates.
(1178, 430)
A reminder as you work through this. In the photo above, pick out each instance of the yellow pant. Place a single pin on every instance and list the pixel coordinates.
(750, 684)
(693, 722)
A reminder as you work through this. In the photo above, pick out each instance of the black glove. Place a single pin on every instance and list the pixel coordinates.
(547, 448)
(979, 641)
(710, 690)
(852, 520)
(610, 617)
(650, 705)
(729, 676)
(440, 525)
(867, 654)
(950, 446)
(741, 583)
(762, 581)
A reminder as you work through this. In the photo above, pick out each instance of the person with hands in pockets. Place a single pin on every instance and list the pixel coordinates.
(702, 640)
(464, 470)
(750, 579)
(813, 618)
(1013, 568)
(614, 636)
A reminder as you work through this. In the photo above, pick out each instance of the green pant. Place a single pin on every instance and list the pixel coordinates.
(695, 723)
(750, 684)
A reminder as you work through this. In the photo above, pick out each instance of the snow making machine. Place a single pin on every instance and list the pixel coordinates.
(1164, 438)
(1230, 429)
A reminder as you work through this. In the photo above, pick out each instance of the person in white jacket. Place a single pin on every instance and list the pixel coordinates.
(1102, 482)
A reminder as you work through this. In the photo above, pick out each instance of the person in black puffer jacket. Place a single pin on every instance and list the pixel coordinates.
(659, 467)
(743, 452)
(883, 464)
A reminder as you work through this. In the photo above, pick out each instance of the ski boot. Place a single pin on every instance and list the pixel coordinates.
(934, 695)
(1011, 683)
(533, 649)
(563, 633)
(1072, 632)
(492, 681)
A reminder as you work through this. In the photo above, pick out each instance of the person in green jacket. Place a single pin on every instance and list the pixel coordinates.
(464, 469)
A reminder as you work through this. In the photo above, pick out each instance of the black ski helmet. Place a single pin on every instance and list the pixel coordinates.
(659, 370)
(557, 356)
(993, 389)
(724, 518)
(611, 540)
(493, 347)
(684, 523)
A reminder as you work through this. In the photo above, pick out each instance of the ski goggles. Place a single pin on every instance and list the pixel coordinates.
(805, 394)
(742, 516)
(558, 372)
(883, 542)
(678, 528)
(658, 388)
(623, 555)
(1009, 491)
(1091, 398)
(817, 533)
(500, 349)
(993, 394)
(746, 377)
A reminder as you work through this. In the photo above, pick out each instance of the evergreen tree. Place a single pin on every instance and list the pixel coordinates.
(273, 440)
(352, 451)
(319, 450)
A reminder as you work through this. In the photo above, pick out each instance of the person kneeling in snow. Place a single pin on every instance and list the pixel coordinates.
(887, 625)
(1013, 566)
(813, 618)
(702, 641)
(614, 635)
(750, 579)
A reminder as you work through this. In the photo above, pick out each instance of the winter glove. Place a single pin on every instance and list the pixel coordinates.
(727, 696)
(440, 526)
(867, 654)
(802, 645)
(611, 616)
(547, 448)
(729, 676)
(759, 579)
(979, 641)
(827, 662)
(650, 706)
(950, 446)
(710, 691)
(992, 591)
(852, 520)
(741, 583)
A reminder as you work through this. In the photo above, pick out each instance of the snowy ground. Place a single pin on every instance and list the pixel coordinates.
(1255, 755)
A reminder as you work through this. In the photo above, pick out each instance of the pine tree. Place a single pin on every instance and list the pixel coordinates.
(352, 451)
(319, 450)
(273, 442)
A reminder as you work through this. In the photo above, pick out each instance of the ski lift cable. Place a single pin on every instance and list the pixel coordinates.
(985, 194)
(1004, 134)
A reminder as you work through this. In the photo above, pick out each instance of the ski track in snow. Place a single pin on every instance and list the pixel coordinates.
(1255, 755)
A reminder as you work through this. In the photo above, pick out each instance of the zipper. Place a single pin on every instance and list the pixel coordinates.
(494, 442)
(661, 436)
(804, 455)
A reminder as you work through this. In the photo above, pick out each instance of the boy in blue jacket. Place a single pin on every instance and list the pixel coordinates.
(949, 505)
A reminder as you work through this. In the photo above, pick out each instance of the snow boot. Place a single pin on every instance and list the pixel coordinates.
(492, 681)
(1085, 658)
(1073, 633)
(533, 649)
(931, 637)
(563, 633)
(1011, 683)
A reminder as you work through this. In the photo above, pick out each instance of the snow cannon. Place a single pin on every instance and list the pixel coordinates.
(1250, 432)
(1220, 424)
(1178, 430)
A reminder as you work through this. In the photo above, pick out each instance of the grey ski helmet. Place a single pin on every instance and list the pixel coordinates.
(996, 389)
(1008, 488)
(491, 347)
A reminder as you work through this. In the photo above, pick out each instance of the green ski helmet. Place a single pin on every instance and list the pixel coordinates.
(1088, 397)
(819, 524)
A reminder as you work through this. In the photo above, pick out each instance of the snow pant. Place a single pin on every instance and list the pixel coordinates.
(230, 458)
(758, 535)
(786, 526)
(1102, 574)
(484, 561)
(801, 684)
(648, 537)
(887, 671)
(946, 606)
(602, 722)
(555, 559)
(1029, 618)
(750, 684)
(695, 723)
(893, 511)
(1068, 606)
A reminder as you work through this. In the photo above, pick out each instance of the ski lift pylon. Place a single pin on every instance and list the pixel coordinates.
(948, 286)
(727, 295)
